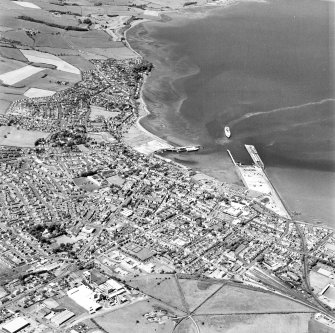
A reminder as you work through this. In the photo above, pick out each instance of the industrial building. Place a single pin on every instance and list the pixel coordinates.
(15, 325)
(85, 297)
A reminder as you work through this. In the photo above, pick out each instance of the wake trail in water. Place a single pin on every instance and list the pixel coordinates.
(287, 108)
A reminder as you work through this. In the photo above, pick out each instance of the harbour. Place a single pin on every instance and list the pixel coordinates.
(255, 178)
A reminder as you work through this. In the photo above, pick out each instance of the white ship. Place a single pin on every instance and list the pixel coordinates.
(227, 132)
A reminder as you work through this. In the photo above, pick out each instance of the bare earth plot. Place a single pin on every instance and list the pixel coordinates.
(11, 136)
(131, 319)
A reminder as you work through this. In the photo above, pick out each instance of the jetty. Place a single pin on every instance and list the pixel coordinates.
(181, 149)
(254, 155)
(255, 178)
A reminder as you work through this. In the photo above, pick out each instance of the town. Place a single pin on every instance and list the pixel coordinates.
(83, 216)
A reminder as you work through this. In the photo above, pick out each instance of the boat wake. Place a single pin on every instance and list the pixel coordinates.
(287, 108)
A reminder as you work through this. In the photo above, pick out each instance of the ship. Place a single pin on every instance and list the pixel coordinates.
(227, 132)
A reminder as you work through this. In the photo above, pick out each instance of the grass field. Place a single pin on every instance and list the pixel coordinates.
(162, 287)
(97, 111)
(318, 281)
(71, 305)
(19, 138)
(78, 62)
(196, 292)
(121, 52)
(93, 38)
(12, 53)
(130, 319)
(49, 40)
(102, 137)
(231, 299)
(270, 323)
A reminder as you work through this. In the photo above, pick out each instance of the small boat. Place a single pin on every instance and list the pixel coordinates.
(227, 132)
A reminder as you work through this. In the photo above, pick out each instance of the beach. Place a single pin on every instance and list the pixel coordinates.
(272, 101)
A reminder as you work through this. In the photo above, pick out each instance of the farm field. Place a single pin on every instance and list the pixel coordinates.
(40, 57)
(94, 38)
(19, 74)
(78, 62)
(120, 53)
(131, 319)
(12, 53)
(26, 4)
(11, 136)
(35, 92)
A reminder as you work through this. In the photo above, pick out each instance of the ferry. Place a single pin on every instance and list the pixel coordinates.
(227, 132)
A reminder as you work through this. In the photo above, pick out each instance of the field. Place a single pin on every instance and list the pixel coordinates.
(19, 74)
(79, 62)
(318, 281)
(36, 56)
(94, 38)
(26, 4)
(121, 52)
(50, 40)
(102, 137)
(97, 111)
(35, 92)
(243, 300)
(130, 319)
(19, 137)
(269, 323)
(162, 287)
(196, 292)
(68, 303)
(12, 53)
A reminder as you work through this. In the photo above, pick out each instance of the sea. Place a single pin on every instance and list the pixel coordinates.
(266, 70)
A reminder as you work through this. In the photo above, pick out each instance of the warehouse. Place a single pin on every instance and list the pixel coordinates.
(62, 317)
(85, 297)
(15, 325)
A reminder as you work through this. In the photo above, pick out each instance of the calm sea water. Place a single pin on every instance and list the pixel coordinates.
(264, 69)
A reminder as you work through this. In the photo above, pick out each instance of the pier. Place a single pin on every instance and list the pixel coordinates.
(254, 178)
(254, 155)
(181, 149)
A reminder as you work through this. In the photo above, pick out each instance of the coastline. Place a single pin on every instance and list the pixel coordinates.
(144, 110)
(148, 136)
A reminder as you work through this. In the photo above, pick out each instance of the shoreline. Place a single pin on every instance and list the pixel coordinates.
(143, 108)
